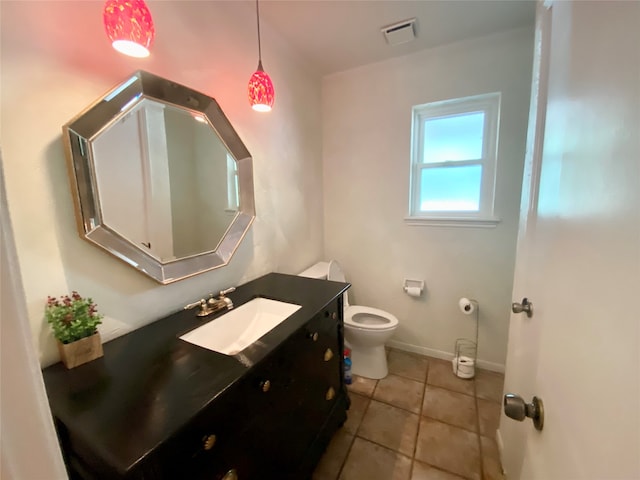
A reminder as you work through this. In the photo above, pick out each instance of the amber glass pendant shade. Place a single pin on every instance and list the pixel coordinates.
(129, 26)
(261, 92)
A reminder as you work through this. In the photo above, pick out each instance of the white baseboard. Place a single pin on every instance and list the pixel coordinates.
(407, 347)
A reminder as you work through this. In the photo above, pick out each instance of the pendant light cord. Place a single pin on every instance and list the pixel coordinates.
(259, 46)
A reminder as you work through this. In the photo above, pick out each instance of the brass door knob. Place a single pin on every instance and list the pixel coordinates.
(231, 475)
(331, 393)
(328, 355)
(208, 441)
(313, 336)
(265, 385)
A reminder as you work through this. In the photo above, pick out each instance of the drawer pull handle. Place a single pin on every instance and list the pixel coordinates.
(209, 441)
(331, 393)
(328, 355)
(265, 386)
(231, 475)
(314, 336)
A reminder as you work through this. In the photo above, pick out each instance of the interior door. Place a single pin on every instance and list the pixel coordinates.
(524, 332)
(578, 257)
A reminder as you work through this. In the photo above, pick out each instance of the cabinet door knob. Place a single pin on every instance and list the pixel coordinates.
(313, 336)
(331, 393)
(208, 441)
(265, 385)
(231, 475)
(334, 316)
(328, 355)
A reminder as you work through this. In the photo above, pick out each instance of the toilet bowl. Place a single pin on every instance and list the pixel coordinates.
(366, 329)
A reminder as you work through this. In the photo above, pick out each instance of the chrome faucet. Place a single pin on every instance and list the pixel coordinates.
(204, 308)
(222, 302)
(213, 305)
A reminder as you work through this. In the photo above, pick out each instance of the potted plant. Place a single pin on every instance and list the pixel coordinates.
(74, 321)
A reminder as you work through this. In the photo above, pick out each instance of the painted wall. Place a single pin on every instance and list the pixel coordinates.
(56, 61)
(366, 147)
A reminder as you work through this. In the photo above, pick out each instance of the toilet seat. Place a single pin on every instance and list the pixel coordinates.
(334, 272)
(369, 318)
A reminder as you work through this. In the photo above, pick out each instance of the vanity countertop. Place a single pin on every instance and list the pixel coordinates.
(150, 383)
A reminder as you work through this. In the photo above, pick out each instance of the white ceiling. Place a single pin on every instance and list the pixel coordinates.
(336, 35)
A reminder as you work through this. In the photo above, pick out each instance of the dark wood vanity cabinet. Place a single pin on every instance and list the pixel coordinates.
(308, 394)
(266, 426)
(273, 419)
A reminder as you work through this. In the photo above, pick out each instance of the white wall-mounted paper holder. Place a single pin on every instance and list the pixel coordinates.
(413, 284)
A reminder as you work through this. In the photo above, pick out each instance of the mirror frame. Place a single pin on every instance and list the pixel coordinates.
(86, 126)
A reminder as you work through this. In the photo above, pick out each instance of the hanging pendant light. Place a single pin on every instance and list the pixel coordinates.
(261, 92)
(129, 26)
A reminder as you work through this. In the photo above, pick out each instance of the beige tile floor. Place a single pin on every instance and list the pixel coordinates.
(421, 422)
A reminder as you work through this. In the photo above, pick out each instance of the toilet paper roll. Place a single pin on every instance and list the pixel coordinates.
(467, 306)
(413, 291)
(464, 367)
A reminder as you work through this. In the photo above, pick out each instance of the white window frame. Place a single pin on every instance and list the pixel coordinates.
(233, 200)
(489, 104)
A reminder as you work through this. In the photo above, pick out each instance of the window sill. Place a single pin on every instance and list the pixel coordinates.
(472, 222)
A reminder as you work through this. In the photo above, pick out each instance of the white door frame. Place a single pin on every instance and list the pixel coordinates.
(27, 430)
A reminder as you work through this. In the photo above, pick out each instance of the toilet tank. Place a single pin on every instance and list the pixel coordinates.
(319, 271)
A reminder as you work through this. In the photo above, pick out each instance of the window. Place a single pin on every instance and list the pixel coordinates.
(233, 201)
(453, 161)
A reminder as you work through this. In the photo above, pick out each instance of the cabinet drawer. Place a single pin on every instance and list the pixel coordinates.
(322, 359)
(324, 323)
(204, 442)
(211, 444)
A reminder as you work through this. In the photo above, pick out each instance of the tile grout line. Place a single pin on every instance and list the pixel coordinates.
(344, 461)
(396, 406)
(449, 424)
(415, 443)
(475, 397)
(355, 433)
(385, 447)
(420, 414)
(433, 385)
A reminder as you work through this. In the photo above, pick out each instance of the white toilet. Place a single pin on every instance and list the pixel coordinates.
(366, 329)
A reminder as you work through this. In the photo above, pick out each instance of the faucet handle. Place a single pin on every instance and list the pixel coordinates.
(228, 290)
(195, 304)
(204, 308)
(221, 302)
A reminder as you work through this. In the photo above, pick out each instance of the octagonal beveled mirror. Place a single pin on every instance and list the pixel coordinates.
(160, 178)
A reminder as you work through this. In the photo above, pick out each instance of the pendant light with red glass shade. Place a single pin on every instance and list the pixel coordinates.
(261, 92)
(129, 26)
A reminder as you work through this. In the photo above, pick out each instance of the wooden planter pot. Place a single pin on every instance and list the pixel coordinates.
(81, 351)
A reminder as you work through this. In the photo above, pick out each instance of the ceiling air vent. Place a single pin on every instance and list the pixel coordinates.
(401, 32)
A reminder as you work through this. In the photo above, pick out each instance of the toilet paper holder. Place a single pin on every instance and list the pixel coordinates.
(411, 285)
(466, 350)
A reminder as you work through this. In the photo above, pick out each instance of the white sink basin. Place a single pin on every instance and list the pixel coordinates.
(237, 329)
